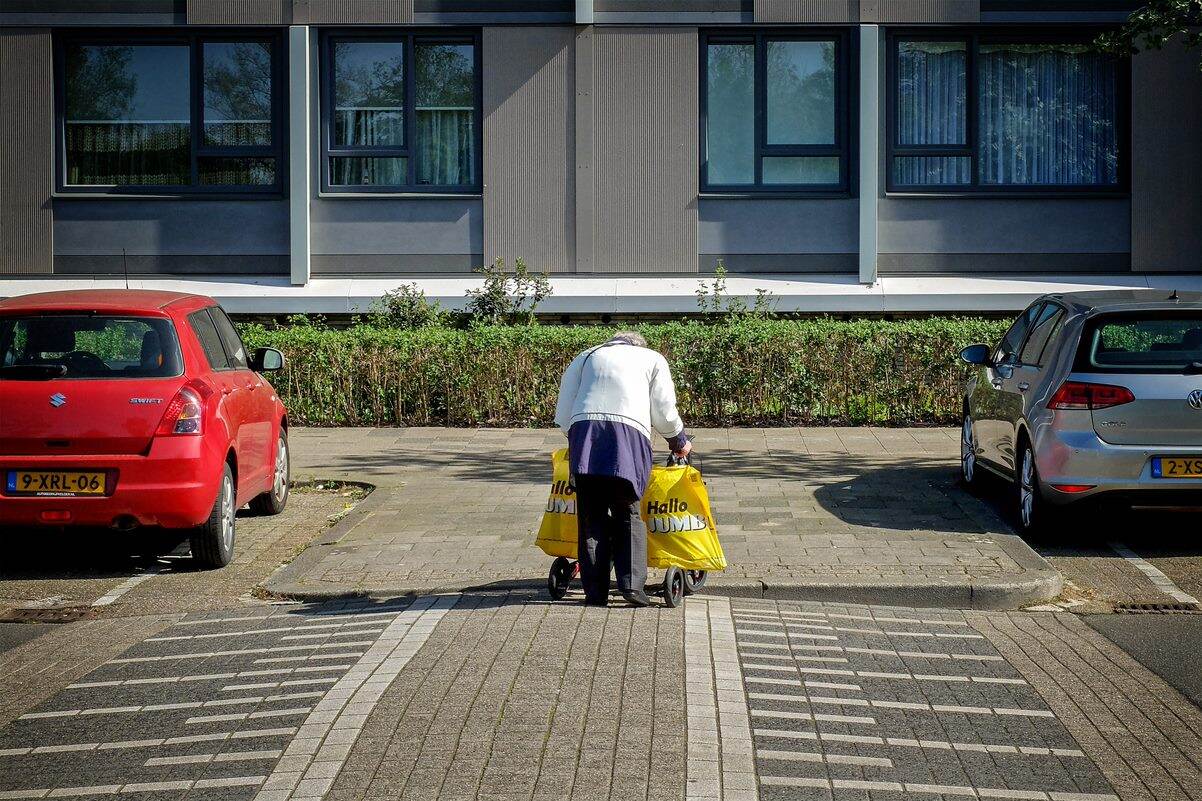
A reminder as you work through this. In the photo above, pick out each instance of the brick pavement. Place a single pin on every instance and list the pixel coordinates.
(506, 696)
(852, 514)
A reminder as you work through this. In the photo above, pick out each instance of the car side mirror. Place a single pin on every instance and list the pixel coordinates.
(267, 360)
(976, 354)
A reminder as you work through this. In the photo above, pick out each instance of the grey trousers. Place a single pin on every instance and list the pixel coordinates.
(611, 532)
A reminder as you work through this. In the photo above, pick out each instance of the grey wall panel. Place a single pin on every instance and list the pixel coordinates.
(171, 265)
(778, 262)
(1166, 162)
(674, 6)
(239, 12)
(807, 11)
(529, 146)
(26, 151)
(205, 231)
(920, 11)
(1032, 263)
(645, 152)
(993, 225)
(777, 226)
(397, 264)
(386, 226)
(353, 11)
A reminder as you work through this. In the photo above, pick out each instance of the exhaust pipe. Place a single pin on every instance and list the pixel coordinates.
(125, 523)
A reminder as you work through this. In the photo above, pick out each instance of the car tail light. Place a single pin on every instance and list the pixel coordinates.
(1073, 489)
(184, 415)
(1080, 395)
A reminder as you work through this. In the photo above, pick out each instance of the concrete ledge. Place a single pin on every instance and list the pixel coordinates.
(650, 294)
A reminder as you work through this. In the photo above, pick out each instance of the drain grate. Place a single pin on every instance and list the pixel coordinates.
(1162, 609)
(60, 614)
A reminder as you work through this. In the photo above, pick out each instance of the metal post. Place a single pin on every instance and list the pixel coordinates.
(869, 193)
(298, 152)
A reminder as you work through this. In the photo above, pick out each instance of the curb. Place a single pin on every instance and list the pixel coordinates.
(283, 582)
(1037, 583)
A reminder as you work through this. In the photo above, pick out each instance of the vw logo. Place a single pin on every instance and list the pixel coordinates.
(1195, 399)
(58, 399)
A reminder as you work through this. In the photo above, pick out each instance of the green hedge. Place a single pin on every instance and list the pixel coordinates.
(745, 372)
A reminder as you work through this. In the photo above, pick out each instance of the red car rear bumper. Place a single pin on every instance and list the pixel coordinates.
(174, 485)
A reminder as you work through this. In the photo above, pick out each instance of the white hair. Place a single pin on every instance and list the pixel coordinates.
(630, 338)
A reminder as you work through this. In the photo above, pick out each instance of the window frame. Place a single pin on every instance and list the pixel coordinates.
(194, 40)
(846, 94)
(409, 37)
(218, 316)
(204, 313)
(1056, 320)
(974, 38)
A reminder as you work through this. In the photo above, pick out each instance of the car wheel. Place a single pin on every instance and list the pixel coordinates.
(968, 452)
(213, 541)
(274, 500)
(1032, 512)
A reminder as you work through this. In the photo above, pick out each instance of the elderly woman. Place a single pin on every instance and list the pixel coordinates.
(612, 397)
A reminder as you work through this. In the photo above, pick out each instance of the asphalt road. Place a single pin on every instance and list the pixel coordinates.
(1168, 645)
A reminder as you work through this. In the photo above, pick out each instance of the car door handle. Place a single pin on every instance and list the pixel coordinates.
(1023, 386)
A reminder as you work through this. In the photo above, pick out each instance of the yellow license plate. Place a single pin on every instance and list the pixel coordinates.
(56, 483)
(1167, 467)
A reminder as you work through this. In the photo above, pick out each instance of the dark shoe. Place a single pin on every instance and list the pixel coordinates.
(601, 602)
(637, 598)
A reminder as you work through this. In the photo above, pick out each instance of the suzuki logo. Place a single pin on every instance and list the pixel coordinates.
(58, 399)
(1195, 399)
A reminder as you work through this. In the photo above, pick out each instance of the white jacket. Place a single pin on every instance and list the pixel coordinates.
(622, 383)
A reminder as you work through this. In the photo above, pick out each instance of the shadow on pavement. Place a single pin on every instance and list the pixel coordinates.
(92, 553)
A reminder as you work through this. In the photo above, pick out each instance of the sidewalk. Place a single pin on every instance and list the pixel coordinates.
(848, 515)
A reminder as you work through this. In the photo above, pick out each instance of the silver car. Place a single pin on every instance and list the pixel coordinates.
(1096, 395)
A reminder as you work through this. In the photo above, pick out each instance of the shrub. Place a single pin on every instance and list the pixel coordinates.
(407, 307)
(507, 297)
(746, 371)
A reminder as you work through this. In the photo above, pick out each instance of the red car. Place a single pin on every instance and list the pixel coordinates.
(137, 408)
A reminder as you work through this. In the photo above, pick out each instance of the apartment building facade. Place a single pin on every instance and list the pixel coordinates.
(847, 155)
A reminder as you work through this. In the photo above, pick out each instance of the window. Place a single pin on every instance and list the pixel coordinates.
(177, 113)
(1007, 349)
(1042, 332)
(210, 340)
(1149, 342)
(774, 113)
(235, 351)
(87, 346)
(1004, 113)
(402, 113)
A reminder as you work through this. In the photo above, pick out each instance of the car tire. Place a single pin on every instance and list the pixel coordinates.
(275, 499)
(213, 540)
(1033, 514)
(970, 470)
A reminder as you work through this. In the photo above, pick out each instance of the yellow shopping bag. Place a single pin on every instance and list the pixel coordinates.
(675, 509)
(680, 524)
(557, 535)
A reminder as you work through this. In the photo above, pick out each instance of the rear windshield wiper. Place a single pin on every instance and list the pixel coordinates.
(34, 372)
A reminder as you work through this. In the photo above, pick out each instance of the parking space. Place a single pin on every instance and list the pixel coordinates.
(46, 571)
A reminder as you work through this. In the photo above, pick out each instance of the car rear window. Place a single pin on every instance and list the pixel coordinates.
(1159, 343)
(46, 346)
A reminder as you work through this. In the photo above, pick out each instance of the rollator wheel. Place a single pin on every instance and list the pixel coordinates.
(559, 577)
(694, 580)
(673, 586)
